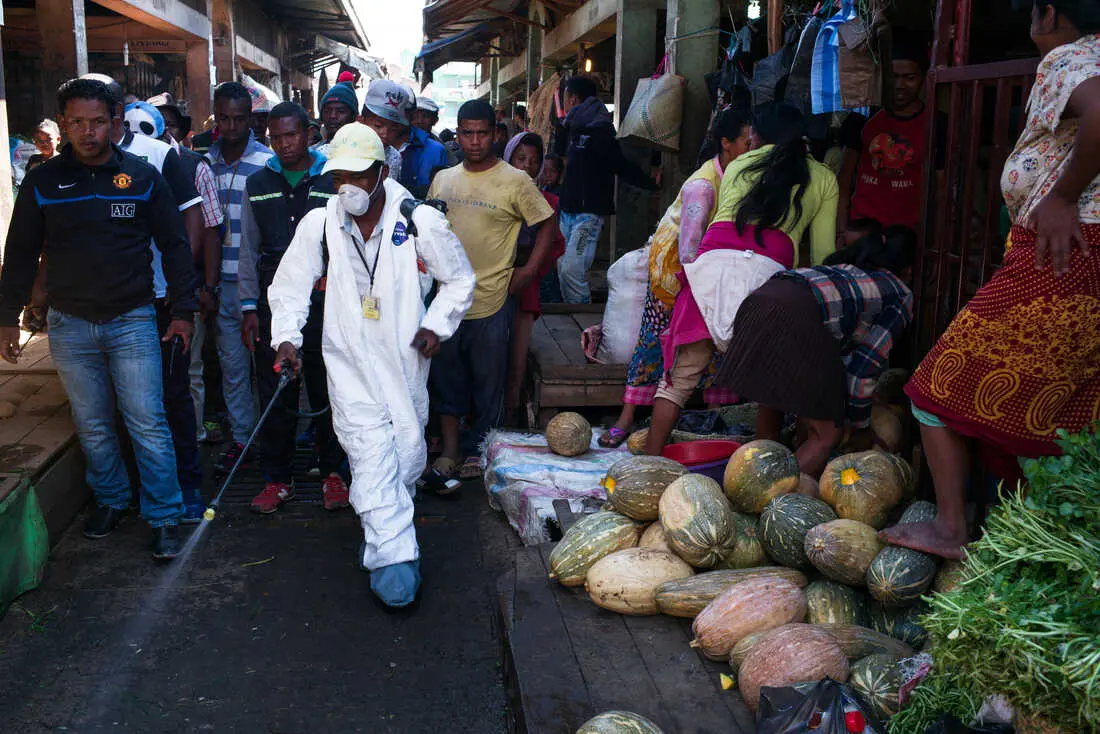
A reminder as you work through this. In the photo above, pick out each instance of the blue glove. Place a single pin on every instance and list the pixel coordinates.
(396, 585)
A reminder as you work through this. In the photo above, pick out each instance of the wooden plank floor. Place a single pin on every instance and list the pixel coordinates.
(567, 660)
(563, 377)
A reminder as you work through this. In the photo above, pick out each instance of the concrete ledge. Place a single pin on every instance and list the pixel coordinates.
(168, 15)
(61, 490)
(587, 24)
(253, 54)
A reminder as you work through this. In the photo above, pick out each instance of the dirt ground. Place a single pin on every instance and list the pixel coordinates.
(268, 627)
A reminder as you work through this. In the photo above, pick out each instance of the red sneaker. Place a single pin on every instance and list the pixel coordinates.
(335, 492)
(274, 494)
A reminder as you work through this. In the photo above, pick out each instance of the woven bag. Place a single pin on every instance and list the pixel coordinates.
(656, 112)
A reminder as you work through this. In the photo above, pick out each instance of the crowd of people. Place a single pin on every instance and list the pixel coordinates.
(305, 249)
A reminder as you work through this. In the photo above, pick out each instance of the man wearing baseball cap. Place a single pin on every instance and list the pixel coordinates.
(422, 157)
(426, 115)
(378, 338)
(384, 112)
(339, 106)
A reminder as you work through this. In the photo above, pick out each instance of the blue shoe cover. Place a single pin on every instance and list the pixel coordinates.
(396, 585)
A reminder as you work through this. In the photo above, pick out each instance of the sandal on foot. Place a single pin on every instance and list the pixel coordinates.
(471, 468)
(446, 467)
(613, 438)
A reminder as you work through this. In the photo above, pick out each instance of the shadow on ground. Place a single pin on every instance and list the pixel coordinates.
(270, 628)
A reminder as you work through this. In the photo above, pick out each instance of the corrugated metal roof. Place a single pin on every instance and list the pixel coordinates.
(336, 19)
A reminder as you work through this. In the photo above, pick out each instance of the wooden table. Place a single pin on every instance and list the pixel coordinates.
(39, 440)
(561, 375)
(566, 660)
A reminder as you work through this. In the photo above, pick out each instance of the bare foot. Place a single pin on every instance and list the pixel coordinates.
(929, 537)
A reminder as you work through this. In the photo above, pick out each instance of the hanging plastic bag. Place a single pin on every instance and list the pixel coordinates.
(820, 707)
(860, 62)
(798, 83)
(656, 112)
(769, 75)
(263, 98)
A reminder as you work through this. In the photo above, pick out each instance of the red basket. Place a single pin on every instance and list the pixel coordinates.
(696, 453)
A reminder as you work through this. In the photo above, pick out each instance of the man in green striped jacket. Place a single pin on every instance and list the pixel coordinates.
(277, 197)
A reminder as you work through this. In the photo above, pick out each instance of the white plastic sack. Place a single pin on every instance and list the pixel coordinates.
(627, 280)
(263, 98)
(721, 280)
(523, 478)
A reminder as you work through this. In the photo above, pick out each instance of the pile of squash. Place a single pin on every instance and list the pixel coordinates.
(784, 578)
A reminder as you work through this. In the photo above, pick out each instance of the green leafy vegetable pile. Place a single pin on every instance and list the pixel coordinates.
(1025, 619)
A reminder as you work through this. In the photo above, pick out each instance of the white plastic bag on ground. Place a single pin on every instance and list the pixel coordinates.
(627, 281)
(523, 478)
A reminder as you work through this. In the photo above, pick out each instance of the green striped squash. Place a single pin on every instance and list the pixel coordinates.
(634, 485)
(747, 550)
(877, 681)
(619, 722)
(901, 624)
(863, 487)
(687, 597)
(859, 642)
(758, 471)
(906, 475)
(900, 576)
(698, 520)
(843, 550)
(828, 602)
(784, 524)
(587, 541)
(951, 573)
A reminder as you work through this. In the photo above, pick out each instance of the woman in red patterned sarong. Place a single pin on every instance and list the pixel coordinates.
(1022, 359)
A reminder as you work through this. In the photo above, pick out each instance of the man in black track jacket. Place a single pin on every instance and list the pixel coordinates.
(94, 210)
(277, 198)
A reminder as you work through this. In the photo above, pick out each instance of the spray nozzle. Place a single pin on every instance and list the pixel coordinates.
(209, 514)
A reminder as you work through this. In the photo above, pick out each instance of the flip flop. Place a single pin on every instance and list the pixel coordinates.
(613, 438)
(470, 469)
(445, 467)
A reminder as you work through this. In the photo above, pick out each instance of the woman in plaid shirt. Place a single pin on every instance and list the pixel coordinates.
(839, 322)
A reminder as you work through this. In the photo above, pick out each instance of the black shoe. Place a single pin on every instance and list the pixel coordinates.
(166, 542)
(102, 522)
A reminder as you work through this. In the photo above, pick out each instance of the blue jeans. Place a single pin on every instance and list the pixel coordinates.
(119, 361)
(581, 233)
(470, 372)
(236, 364)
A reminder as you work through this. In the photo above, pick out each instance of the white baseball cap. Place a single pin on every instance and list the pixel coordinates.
(427, 104)
(354, 148)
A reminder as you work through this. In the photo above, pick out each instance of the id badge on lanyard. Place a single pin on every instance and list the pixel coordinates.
(370, 308)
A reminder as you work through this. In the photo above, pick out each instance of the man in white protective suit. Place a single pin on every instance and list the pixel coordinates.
(377, 339)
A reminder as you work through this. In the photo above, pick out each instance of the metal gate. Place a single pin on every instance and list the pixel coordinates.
(961, 244)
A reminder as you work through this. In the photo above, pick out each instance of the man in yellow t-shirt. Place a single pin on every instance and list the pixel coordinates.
(487, 203)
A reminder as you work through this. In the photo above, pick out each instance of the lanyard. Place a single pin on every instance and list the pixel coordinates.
(371, 270)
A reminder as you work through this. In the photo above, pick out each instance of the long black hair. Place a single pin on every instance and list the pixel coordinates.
(730, 124)
(1083, 14)
(893, 250)
(782, 172)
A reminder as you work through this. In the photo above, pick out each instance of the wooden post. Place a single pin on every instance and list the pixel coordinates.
(636, 57)
(775, 25)
(534, 52)
(692, 58)
(225, 42)
(62, 59)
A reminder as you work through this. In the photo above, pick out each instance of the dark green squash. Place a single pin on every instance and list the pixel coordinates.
(877, 680)
(901, 624)
(828, 602)
(635, 484)
(898, 576)
(747, 551)
(758, 471)
(784, 524)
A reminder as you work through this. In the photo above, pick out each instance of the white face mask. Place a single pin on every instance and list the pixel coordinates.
(356, 201)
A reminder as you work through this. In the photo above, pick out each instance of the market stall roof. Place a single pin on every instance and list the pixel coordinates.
(336, 19)
(450, 17)
(468, 45)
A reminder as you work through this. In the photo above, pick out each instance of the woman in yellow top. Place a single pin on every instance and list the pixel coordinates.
(678, 235)
(768, 200)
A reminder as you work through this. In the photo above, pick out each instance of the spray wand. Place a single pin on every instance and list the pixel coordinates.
(286, 376)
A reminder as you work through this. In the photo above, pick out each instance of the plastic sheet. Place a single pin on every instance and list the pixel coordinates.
(523, 477)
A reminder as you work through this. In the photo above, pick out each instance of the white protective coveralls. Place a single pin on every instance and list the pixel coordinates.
(377, 382)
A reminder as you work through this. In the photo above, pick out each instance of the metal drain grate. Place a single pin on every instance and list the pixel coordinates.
(248, 482)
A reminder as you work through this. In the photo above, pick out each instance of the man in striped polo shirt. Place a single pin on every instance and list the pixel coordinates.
(233, 158)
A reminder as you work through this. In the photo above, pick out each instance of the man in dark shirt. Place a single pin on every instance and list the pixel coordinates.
(94, 209)
(592, 161)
